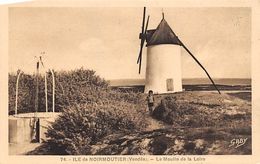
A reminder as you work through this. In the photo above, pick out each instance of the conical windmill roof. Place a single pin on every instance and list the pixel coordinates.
(163, 34)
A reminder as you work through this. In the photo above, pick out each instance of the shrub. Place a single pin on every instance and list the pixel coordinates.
(90, 109)
(197, 109)
(83, 125)
(26, 93)
(72, 87)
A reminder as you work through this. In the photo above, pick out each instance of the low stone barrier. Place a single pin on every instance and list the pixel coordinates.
(28, 127)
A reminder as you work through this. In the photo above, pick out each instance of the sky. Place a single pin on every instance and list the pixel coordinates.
(106, 39)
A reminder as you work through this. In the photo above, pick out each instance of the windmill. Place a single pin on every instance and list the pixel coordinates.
(163, 67)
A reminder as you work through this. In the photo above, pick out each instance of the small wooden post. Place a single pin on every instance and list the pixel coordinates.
(46, 91)
(53, 91)
(37, 87)
(16, 92)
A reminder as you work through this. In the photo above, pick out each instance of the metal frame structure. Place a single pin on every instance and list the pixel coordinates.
(46, 96)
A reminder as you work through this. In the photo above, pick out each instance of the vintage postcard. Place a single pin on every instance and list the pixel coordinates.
(130, 82)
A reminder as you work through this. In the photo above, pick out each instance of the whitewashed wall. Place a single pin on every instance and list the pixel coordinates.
(163, 62)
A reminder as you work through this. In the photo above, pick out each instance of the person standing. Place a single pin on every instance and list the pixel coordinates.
(150, 101)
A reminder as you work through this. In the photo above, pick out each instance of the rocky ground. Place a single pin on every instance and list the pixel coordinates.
(171, 142)
(205, 123)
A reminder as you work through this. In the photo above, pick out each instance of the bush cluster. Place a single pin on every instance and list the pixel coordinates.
(172, 111)
(26, 93)
(198, 109)
(84, 125)
(90, 109)
(72, 88)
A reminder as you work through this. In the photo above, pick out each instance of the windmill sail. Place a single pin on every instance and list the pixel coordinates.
(142, 36)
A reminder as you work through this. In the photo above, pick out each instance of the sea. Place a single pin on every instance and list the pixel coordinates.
(185, 81)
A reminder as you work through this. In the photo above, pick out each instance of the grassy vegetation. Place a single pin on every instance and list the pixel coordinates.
(90, 109)
(96, 119)
(200, 109)
(72, 88)
(212, 119)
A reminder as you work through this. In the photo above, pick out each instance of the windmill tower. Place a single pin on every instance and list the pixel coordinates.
(163, 67)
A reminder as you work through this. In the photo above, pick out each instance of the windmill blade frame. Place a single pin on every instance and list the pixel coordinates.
(141, 35)
(139, 61)
(142, 45)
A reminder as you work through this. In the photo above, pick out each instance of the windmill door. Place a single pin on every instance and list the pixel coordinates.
(169, 84)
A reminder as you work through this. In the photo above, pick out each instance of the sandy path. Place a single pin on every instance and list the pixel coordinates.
(154, 124)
